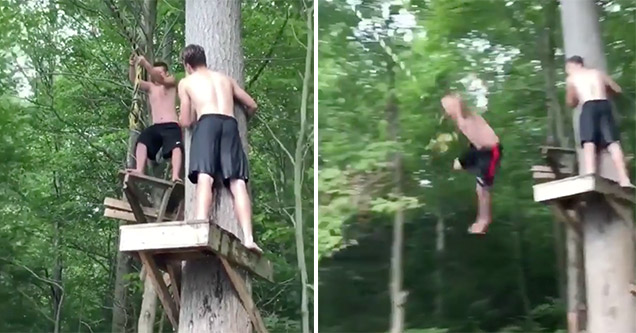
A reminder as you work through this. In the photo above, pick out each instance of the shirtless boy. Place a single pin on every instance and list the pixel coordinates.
(590, 87)
(482, 158)
(217, 153)
(165, 132)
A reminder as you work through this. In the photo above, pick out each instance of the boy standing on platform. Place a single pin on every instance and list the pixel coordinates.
(590, 87)
(217, 153)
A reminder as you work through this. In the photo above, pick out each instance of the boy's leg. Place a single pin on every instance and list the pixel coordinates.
(243, 211)
(589, 157)
(484, 217)
(176, 161)
(203, 197)
(141, 155)
(616, 152)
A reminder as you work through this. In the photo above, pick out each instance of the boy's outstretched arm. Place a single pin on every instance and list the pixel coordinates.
(243, 97)
(157, 76)
(615, 88)
(132, 74)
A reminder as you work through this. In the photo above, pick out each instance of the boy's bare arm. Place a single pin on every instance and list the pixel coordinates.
(185, 118)
(611, 83)
(243, 97)
(157, 76)
(132, 74)
(571, 98)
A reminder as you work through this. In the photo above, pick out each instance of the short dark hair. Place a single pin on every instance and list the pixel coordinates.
(194, 55)
(160, 64)
(575, 59)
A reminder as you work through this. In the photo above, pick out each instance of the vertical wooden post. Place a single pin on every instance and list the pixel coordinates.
(209, 302)
(608, 241)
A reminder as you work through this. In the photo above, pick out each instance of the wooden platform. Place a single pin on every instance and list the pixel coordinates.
(182, 238)
(567, 188)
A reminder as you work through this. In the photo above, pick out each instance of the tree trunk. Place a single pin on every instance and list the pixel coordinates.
(147, 314)
(521, 271)
(575, 272)
(439, 272)
(398, 296)
(298, 174)
(208, 300)
(146, 321)
(120, 297)
(608, 241)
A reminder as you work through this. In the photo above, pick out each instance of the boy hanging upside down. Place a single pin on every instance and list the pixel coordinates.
(597, 127)
(482, 158)
(217, 153)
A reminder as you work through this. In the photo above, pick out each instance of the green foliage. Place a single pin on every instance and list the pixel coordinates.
(505, 281)
(64, 106)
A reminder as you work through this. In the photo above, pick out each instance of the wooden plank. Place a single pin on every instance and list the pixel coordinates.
(161, 288)
(557, 150)
(175, 284)
(245, 296)
(125, 206)
(120, 215)
(135, 177)
(543, 175)
(129, 191)
(578, 185)
(163, 236)
(546, 168)
(164, 204)
(192, 236)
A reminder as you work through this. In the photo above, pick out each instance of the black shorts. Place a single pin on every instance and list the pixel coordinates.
(217, 150)
(483, 163)
(166, 136)
(597, 123)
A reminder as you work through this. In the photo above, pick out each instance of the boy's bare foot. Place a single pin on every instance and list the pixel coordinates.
(177, 180)
(627, 184)
(478, 228)
(253, 247)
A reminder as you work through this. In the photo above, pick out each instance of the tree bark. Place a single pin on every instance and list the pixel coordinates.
(208, 300)
(608, 241)
(298, 174)
(575, 300)
(398, 296)
(148, 311)
(146, 321)
(439, 272)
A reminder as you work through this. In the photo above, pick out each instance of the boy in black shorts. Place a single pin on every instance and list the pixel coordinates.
(591, 87)
(482, 158)
(165, 133)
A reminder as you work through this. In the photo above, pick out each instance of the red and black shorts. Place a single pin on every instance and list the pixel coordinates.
(483, 163)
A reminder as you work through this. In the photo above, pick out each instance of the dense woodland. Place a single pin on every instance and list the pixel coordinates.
(385, 160)
(66, 131)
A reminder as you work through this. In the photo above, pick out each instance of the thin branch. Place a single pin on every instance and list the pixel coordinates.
(270, 51)
(282, 146)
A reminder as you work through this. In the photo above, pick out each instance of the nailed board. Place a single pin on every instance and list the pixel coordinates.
(192, 236)
(572, 186)
(142, 184)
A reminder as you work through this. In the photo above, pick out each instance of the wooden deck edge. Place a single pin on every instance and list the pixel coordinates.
(190, 236)
(578, 185)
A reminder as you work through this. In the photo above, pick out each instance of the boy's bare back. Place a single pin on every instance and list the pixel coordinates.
(589, 84)
(210, 92)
